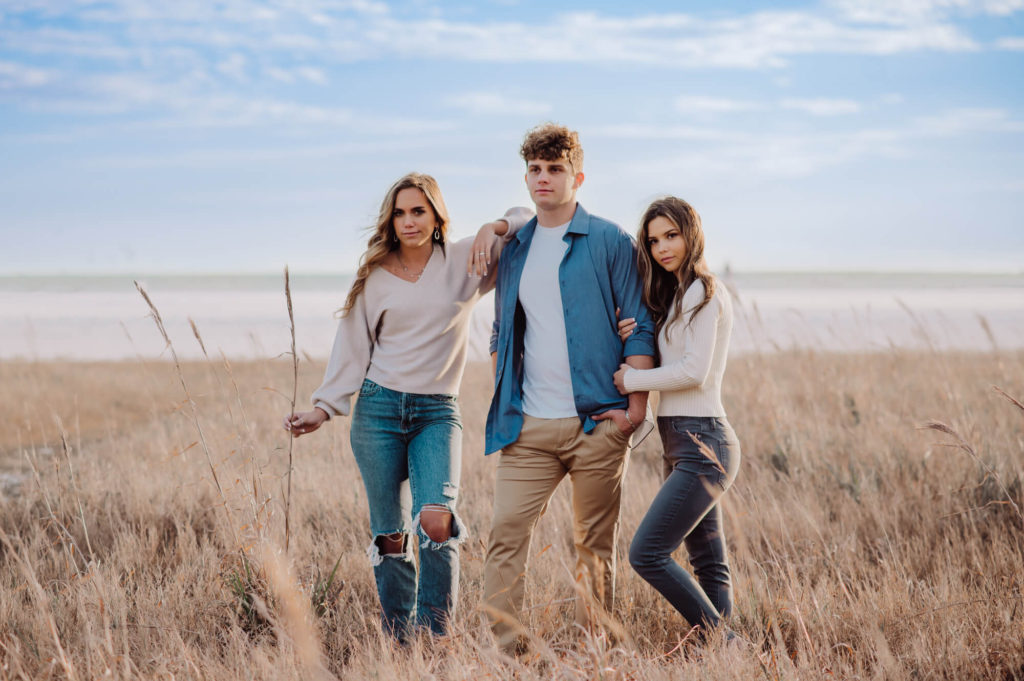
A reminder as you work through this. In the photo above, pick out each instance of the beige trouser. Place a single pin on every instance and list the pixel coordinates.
(529, 470)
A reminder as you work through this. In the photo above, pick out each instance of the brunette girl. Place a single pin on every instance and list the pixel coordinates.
(693, 315)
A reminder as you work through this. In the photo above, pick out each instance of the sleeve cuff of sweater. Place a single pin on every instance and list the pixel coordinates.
(516, 218)
(631, 379)
(331, 411)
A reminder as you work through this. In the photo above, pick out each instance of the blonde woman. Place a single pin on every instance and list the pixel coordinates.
(401, 345)
(693, 315)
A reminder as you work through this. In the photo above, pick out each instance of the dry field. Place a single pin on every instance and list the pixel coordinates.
(143, 533)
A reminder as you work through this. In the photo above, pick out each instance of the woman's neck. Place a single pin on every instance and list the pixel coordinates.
(415, 256)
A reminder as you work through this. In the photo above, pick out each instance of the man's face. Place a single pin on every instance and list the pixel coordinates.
(552, 183)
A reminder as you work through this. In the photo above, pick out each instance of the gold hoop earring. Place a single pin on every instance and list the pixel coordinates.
(437, 234)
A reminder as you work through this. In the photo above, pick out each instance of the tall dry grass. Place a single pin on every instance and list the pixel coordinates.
(863, 545)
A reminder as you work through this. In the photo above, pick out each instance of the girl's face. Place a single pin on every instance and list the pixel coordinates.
(666, 243)
(413, 218)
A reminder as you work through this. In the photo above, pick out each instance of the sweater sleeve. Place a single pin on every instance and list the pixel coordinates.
(350, 358)
(516, 218)
(698, 344)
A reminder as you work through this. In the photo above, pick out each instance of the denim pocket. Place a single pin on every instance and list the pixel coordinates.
(726, 450)
(688, 424)
(369, 388)
(694, 446)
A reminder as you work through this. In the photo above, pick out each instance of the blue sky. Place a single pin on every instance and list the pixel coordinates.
(239, 136)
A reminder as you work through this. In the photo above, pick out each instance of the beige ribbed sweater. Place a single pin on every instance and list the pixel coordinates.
(692, 357)
(411, 336)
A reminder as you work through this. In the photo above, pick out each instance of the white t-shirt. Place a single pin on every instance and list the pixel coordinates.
(547, 380)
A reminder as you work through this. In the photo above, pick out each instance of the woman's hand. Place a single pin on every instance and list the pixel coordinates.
(620, 377)
(480, 256)
(305, 421)
(626, 326)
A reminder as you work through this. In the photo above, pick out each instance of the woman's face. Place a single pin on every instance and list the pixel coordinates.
(666, 243)
(413, 218)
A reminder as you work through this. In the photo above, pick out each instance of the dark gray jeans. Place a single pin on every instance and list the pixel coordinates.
(686, 509)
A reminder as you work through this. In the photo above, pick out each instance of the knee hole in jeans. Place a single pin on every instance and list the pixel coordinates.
(392, 544)
(436, 522)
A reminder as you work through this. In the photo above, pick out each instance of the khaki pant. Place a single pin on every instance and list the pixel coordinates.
(529, 470)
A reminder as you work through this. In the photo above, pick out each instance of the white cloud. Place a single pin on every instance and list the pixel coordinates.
(822, 107)
(234, 66)
(968, 120)
(777, 155)
(759, 40)
(1011, 43)
(916, 11)
(189, 105)
(234, 11)
(732, 151)
(194, 54)
(308, 74)
(699, 104)
(357, 31)
(491, 103)
(704, 106)
(66, 42)
(666, 132)
(17, 76)
(311, 74)
(233, 156)
(280, 75)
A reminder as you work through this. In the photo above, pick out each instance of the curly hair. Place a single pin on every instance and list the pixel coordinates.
(553, 142)
(383, 239)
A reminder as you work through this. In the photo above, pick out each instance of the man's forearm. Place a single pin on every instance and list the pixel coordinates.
(638, 400)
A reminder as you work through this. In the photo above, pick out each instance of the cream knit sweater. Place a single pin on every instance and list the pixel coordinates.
(692, 357)
(411, 336)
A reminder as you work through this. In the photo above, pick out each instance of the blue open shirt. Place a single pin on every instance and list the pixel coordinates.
(598, 274)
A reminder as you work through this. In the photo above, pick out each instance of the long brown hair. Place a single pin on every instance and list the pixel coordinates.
(663, 290)
(383, 240)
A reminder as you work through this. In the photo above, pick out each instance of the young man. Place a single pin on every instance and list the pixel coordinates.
(556, 410)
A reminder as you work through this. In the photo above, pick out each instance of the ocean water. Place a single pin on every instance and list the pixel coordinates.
(245, 316)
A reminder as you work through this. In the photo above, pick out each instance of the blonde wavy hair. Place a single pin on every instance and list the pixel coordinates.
(384, 240)
(661, 286)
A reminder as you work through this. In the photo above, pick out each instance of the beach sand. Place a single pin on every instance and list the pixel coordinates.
(141, 524)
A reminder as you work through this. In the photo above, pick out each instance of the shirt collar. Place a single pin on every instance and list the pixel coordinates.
(580, 224)
(580, 221)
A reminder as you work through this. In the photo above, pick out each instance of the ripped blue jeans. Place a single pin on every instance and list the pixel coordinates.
(409, 450)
